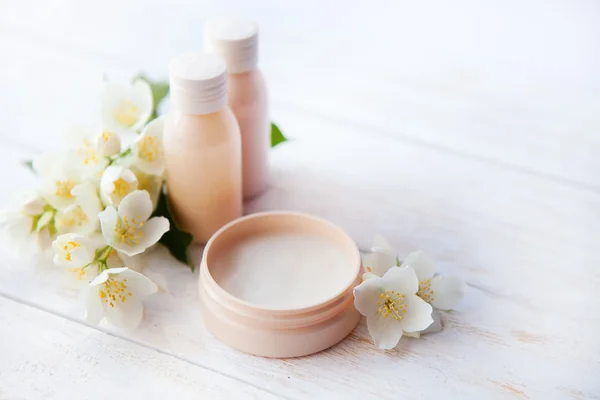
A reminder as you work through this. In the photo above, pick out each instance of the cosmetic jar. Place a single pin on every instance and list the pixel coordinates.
(279, 284)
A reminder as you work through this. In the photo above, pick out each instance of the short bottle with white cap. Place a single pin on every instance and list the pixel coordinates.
(236, 40)
(202, 147)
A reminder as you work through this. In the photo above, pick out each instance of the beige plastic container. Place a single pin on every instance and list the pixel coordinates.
(202, 147)
(279, 284)
(236, 40)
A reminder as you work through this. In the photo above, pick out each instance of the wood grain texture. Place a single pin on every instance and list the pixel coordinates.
(508, 82)
(467, 130)
(517, 250)
(49, 357)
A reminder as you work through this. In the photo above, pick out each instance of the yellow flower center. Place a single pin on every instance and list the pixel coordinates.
(127, 113)
(149, 148)
(68, 248)
(74, 217)
(88, 153)
(122, 187)
(128, 231)
(112, 291)
(106, 136)
(79, 271)
(391, 304)
(63, 188)
(425, 291)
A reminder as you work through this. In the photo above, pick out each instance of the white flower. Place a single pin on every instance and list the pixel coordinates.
(77, 253)
(126, 108)
(83, 154)
(151, 183)
(33, 205)
(116, 183)
(128, 229)
(381, 258)
(116, 294)
(73, 250)
(392, 306)
(32, 219)
(108, 144)
(148, 152)
(59, 176)
(81, 217)
(442, 292)
(436, 326)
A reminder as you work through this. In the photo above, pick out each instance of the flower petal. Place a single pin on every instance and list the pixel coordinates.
(107, 143)
(33, 205)
(113, 175)
(401, 279)
(43, 240)
(151, 183)
(386, 332)
(94, 311)
(126, 108)
(103, 277)
(154, 128)
(153, 230)
(436, 326)
(422, 263)
(136, 204)
(115, 271)
(448, 291)
(128, 249)
(142, 96)
(108, 223)
(139, 284)
(379, 261)
(369, 275)
(87, 197)
(148, 148)
(366, 296)
(418, 314)
(127, 314)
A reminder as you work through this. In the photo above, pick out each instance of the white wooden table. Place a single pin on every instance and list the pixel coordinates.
(470, 130)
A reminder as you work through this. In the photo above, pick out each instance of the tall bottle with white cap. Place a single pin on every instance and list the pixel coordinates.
(236, 40)
(202, 147)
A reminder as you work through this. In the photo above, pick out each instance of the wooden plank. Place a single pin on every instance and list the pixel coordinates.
(524, 244)
(48, 357)
(511, 83)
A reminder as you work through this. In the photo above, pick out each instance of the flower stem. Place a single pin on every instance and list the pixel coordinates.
(115, 158)
(101, 257)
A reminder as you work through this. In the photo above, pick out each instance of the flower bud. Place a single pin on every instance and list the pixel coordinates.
(108, 144)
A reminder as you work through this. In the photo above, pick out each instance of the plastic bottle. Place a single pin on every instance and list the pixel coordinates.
(236, 40)
(202, 147)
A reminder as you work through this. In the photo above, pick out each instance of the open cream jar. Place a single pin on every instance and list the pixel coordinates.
(279, 284)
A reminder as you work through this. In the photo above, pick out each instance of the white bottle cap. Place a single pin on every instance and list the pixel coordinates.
(198, 83)
(235, 39)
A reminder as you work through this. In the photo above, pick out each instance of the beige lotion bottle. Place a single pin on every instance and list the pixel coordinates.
(202, 146)
(236, 40)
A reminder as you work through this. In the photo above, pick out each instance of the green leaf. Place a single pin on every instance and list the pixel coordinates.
(177, 241)
(276, 136)
(28, 164)
(159, 92)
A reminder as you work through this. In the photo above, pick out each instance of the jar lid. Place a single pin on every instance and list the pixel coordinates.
(279, 284)
(234, 39)
(198, 83)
